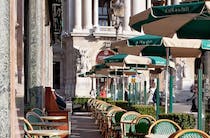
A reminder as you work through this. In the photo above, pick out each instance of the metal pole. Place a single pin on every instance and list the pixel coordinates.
(123, 88)
(115, 85)
(171, 94)
(139, 91)
(158, 99)
(166, 79)
(200, 126)
(145, 92)
(98, 87)
(107, 86)
(129, 97)
(133, 92)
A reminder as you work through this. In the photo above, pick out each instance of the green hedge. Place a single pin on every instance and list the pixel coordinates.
(184, 120)
(146, 109)
(80, 100)
(119, 103)
(104, 99)
(207, 123)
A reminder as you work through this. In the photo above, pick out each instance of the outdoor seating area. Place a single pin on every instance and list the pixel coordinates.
(139, 71)
(50, 121)
(43, 126)
(115, 122)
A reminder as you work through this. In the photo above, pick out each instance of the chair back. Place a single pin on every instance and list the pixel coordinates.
(190, 133)
(32, 117)
(109, 107)
(110, 115)
(38, 111)
(128, 127)
(26, 127)
(142, 124)
(117, 116)
(164, 127)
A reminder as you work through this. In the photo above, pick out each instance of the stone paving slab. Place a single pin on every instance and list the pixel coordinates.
(83, 126)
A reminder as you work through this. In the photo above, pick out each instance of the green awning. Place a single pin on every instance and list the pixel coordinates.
(151, 45)
(125, 60)
(134, 61)
(124, 72)
(158, 60)
(187, 20)
(99, 66)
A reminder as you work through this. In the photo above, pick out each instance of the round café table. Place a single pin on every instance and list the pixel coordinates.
(48, 133)
(48, 124)
(53, 118)
(156, 136)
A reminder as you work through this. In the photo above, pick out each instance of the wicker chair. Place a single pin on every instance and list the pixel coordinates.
(113, 120)
(126, 123)
(38, 111)
(142, 125)
(164, 127)
(32, 117)
(190, 133)
(26, 127)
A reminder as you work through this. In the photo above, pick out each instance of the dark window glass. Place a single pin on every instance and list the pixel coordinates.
(104, 13)
(56, 75)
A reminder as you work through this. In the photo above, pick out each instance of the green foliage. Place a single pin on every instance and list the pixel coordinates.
(184, 120)
(146, 109)
(104, 99)
(80, 100)
(119, 103)
(122, 104)
(207, 123)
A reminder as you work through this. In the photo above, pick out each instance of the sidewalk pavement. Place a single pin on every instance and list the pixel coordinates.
(83, 126)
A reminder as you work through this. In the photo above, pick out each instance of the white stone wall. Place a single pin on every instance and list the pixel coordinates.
(88, 51)
(184, 73)
(87, 38)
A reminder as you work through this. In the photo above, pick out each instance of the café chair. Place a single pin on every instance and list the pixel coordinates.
(189, 133)
(164, 127)
(127, 124)
(142, 125)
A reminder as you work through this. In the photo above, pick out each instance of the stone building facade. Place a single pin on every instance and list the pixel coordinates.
(26, 57)
(89, 26)
(35, 55)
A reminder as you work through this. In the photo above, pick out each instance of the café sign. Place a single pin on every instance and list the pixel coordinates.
(102, 54)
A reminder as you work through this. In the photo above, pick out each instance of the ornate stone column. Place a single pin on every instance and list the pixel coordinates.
(138, 6)
(87, 14)
(5, 70)
(149, 4)
(127, 14)
(65, 9)
(168, 2)
(71, 14)
(35, 44)
(176, 2)
(78, 15)
(95, 21)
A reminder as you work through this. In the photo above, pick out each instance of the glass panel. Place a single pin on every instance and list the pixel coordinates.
(56, 75)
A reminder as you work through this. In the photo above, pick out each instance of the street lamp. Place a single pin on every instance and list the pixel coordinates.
(118, 12)
(117, 26)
